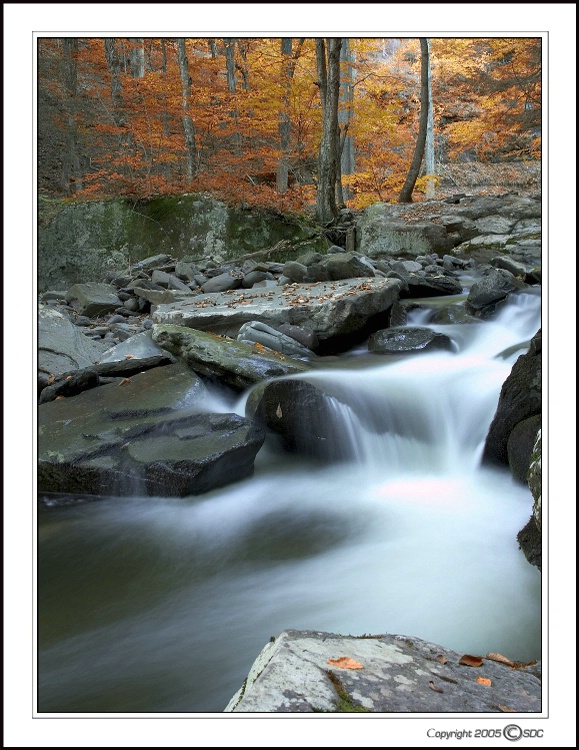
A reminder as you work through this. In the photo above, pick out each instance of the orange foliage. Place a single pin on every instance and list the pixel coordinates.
(131, 133)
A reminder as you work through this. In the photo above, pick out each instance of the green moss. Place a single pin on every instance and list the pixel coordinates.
(345, 703)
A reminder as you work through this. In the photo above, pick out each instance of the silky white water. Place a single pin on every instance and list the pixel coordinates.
(154, 605)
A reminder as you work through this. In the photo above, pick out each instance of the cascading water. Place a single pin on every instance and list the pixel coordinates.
(155, 605)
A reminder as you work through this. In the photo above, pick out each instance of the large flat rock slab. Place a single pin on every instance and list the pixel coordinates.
(329, 308)
(311, 671)
(150, 434)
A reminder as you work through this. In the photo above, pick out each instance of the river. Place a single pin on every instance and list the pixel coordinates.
(160, 605)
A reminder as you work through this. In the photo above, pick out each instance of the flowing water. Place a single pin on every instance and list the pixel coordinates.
(161, 605)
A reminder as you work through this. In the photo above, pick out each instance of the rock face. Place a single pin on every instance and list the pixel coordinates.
(84, 240)
(520, 398)
(530, 537)
(310, 671)
(148, 435)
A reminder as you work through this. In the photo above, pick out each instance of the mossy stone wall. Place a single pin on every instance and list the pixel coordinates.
(82, 241)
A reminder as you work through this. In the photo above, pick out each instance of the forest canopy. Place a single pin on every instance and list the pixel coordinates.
(242, 118)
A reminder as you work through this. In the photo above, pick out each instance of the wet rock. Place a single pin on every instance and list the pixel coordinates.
(234, 363)
(492, 288)
(520, 398)
(408, 341)
(520, 446)
(147, 435)
(255, 332)
(61, 346)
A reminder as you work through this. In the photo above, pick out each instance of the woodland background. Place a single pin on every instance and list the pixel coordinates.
(242, 118)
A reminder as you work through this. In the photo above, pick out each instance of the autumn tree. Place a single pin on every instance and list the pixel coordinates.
(328, 66)
(408, 187)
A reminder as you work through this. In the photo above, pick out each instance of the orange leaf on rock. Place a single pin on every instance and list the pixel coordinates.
(344, 662)
(470, 661)
(484, 680)
(441, 658)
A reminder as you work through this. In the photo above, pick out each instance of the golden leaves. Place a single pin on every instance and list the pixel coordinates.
(484, 681)
(344, 662)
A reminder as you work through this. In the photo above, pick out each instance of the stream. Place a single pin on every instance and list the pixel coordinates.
(160, 605)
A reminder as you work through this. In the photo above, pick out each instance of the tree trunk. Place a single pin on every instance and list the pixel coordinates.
(429, 148)
(137, 58)
(188, 127)
(284, 118)
(71, 170)
(229, 49)
(406, 192)
(328, 65)
(346, 160)
(114, 66)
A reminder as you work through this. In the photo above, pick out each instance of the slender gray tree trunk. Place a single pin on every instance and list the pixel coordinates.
(137, 58)
(229, 50)
(188, 127)
(346, 161)
(429, 148)
(328, 66)
(113, 59)
(406, 192)
(284, 118)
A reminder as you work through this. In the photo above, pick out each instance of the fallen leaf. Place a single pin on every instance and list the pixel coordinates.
(484, 680)
(129, 356)
(442, 659)
(506, 709)
(68, 377)
(436, 689)
(470, 661)
(124, 381)
(500, 658)
(279, 412)
(344, 662)
(51, 379)
(59, 398)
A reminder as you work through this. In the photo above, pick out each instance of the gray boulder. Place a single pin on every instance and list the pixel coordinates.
(301, 414)
(492, 288)
(234, 363)
(256, 332)
(312, 672)
(93, 299)
(149, 435)
(62, 346)
(408, 341)
(330, 309)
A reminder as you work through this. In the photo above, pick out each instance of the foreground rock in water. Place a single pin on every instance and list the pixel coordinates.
(310, 671)
(234, 363)
(147, 435)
